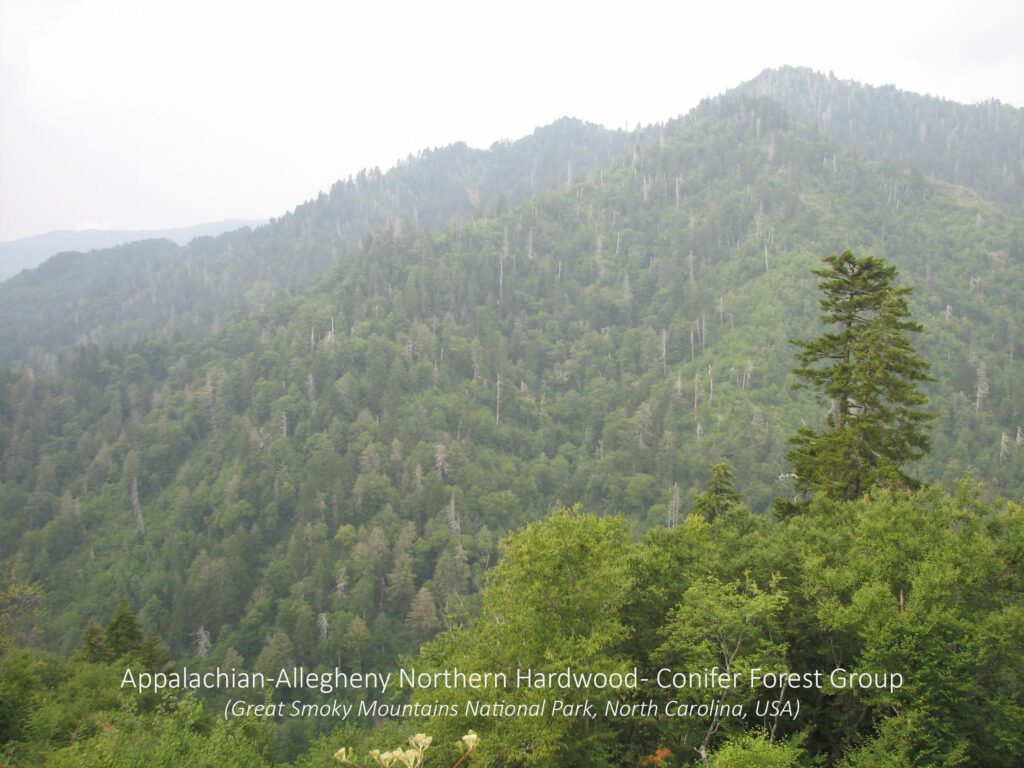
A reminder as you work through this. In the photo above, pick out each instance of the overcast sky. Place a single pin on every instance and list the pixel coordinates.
(131, 114)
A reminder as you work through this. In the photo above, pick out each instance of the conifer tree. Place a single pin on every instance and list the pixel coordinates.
(720, 495)
(124, 636)
(867, 370)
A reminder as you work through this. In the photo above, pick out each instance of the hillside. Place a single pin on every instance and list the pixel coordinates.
(602, 344)
(119, 295)
(326, 478)
(30, 252)
(199, 287)
(107, 299)
(976, 146)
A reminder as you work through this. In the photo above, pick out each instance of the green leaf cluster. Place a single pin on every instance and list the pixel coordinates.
(910, 583)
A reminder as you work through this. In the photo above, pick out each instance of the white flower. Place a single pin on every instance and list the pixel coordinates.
(421, 741)
(345, 755)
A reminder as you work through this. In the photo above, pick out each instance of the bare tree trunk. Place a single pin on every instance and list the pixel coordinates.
(497, 402)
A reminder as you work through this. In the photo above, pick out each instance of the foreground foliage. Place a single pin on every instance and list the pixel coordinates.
(918, 585)
(56, 712)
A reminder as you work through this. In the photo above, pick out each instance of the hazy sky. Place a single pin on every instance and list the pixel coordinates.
(133, 114)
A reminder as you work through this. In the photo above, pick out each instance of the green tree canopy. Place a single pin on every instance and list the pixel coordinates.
(552, 604)
(124, 636)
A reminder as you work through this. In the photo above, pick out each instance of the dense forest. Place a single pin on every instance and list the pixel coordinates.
(975, 146)
(530, 408)
(117, 296)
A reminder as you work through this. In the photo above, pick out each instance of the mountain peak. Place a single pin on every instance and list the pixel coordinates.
(975, 145)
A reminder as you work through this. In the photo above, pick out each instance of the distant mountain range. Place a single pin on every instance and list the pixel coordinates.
(121, 294)
(30, 252)
(193, 288)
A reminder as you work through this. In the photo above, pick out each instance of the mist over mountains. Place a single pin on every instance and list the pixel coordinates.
(976, 146)
(30, 252)
(196, 287)
(119, 295)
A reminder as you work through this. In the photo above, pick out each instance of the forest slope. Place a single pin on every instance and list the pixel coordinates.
(134, 291)
(976, 146)
(320, 479)
(123, 295)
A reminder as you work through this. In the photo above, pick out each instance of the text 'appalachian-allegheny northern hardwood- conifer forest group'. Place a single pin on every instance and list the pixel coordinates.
(739, 396)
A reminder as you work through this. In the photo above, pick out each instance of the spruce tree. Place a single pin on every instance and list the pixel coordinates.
(866, 369)
(720, 495)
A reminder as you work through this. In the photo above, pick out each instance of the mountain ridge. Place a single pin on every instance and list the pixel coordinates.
(202, 287)
(30, 252)
(937, 137)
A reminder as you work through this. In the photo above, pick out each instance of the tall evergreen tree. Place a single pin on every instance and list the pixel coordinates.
(721, 493)
(868, 371)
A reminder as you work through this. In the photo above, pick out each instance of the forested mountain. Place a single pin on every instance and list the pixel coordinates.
(138, 290)
(30, 252)
(108, 298)
(324, 480)
(977, 146)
